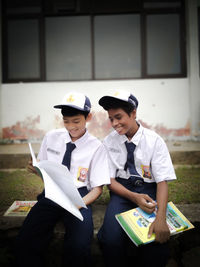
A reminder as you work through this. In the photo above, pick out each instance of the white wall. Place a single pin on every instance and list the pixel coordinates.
(161, 101)
(169, 106)
(193, 66)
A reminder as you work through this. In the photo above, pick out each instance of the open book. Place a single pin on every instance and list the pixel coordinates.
(136, 223)
(59, 185)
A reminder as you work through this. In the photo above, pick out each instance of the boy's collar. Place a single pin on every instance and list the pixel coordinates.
(136, 138)
(79, 141)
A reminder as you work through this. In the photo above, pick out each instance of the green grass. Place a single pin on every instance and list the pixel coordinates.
(18, 185)
(21, 185)
(186, 189)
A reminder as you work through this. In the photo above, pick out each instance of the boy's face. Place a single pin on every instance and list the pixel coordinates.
(76, 125)
(122, 122)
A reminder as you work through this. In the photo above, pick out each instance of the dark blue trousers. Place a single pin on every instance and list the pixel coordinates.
(37, 230)
(117, 248)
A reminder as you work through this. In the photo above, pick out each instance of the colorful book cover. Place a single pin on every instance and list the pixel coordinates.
(136, 223)
(20, 208)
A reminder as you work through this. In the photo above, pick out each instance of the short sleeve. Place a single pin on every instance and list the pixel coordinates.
(161, 164)
(112, 166)
(99, 170)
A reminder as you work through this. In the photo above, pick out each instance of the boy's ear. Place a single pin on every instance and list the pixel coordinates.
(89, 117)
(133, 114)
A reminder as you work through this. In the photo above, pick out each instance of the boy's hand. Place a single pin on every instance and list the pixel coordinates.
(30, 167)
(146, 203)
(161, 230)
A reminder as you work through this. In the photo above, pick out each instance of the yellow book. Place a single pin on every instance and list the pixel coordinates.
(20, 208)
(136, 223)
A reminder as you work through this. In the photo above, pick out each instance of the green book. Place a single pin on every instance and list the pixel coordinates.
(136, 223)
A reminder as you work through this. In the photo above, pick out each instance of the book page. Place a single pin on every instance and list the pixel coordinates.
(63, 179)
(56, 194)
(176, 221)
(59, 185)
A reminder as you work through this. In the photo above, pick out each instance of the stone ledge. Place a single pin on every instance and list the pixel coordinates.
(19, 160)
(191, 211)
(184, 248)
(9, 222)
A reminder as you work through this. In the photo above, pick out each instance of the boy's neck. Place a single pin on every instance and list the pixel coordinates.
(133, 132)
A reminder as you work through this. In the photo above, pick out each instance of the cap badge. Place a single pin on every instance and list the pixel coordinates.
(116, 93)
(70, 99)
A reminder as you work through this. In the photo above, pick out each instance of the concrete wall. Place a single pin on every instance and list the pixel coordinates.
(169, 106)
(193, 66)
(163, 105)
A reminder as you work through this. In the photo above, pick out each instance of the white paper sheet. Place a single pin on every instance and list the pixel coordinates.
(59, 185)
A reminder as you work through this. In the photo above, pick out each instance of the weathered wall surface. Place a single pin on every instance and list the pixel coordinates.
(27, 108)
(171, 107)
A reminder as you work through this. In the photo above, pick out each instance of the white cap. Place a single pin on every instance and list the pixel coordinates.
(122, 95)
(75, 100)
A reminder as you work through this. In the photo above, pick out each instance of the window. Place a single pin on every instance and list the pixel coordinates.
(163, 44)
(117, 45)
(60, 40)
(68, 46)
(23, 49)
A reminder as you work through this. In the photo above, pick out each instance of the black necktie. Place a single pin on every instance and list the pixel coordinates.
(67, 157)
(130, 164)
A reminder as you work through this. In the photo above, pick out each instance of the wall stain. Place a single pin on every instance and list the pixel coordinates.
(24, 130)
(99, 126)
(168, 132)
(58, 122)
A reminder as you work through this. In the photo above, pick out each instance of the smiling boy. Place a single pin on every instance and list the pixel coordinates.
(140, 166)
(88, 155)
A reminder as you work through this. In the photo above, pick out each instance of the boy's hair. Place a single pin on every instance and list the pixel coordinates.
(117, 103)
(70, 112)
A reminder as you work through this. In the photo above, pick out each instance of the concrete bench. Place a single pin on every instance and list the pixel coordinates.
(185, 247)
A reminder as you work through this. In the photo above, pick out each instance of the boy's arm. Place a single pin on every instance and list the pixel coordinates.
(93, 195)
(145, 202)
(159, 226)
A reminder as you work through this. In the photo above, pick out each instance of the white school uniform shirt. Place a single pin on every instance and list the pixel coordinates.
(89, 160)
(152, 158)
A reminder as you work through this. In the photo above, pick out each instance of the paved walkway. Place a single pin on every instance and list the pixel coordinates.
(23, 148)
(17, 155)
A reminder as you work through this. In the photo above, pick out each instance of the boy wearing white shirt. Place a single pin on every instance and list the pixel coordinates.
(140, 166)
(88, 155)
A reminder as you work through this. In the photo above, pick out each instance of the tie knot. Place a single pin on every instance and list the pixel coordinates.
(70, 146)
(130, 147)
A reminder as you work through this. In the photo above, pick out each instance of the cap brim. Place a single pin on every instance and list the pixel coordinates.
(71, 106)
(107, 99)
